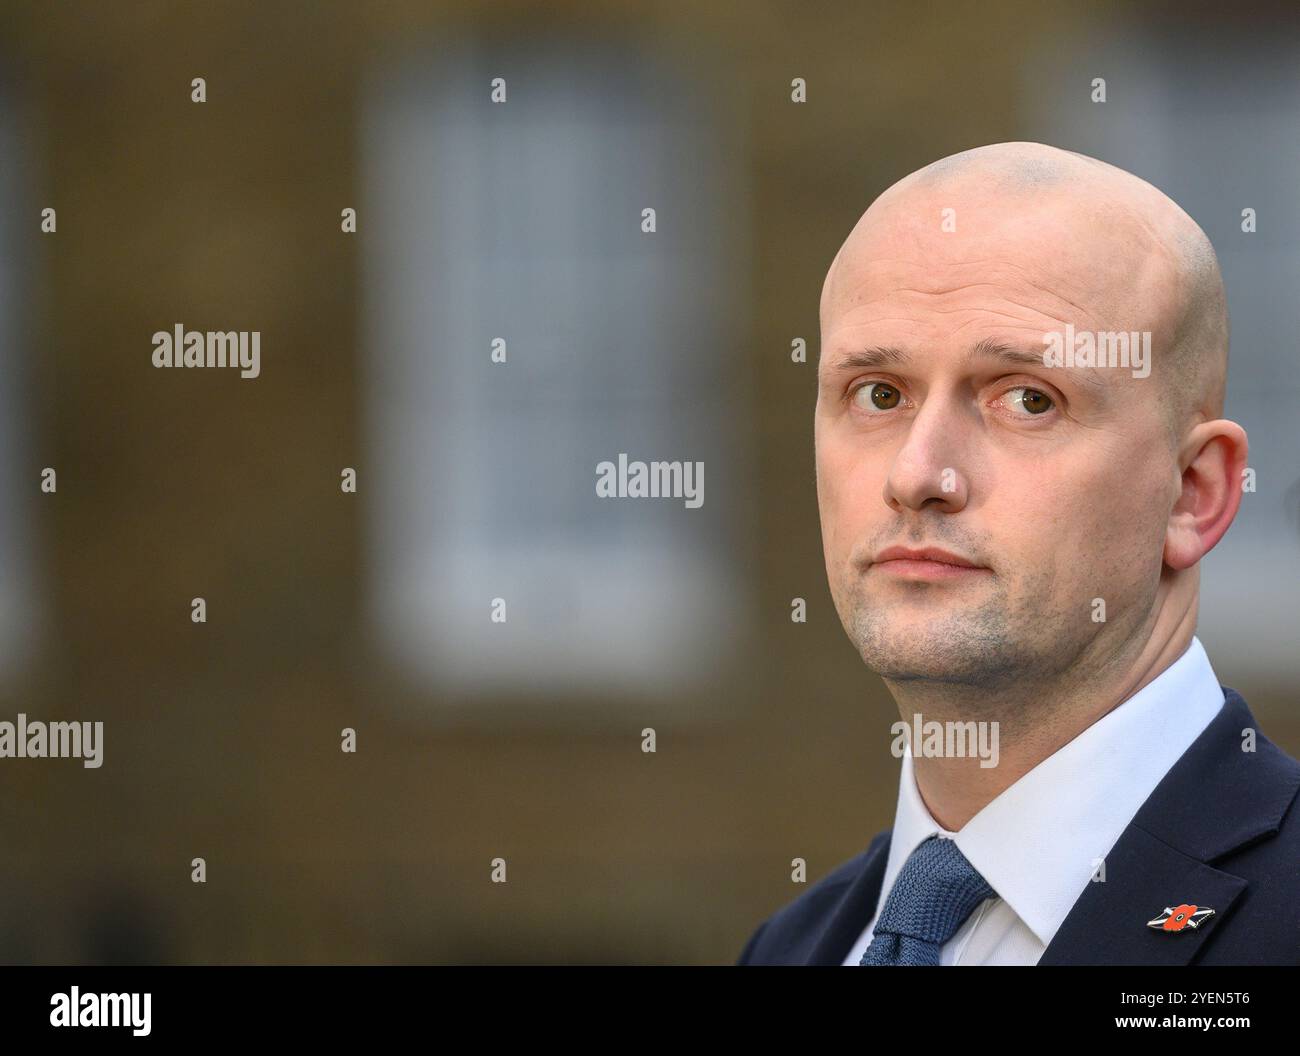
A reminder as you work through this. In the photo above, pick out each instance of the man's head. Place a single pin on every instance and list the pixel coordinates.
(938, 424)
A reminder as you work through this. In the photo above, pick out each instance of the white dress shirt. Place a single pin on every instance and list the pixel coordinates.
(1038, 842)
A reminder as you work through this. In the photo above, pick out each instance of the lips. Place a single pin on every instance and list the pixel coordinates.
(929, 553)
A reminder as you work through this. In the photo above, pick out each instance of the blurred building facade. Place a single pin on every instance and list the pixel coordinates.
(370, 611)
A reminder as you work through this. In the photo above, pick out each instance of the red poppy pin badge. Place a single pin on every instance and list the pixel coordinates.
(1178, 917)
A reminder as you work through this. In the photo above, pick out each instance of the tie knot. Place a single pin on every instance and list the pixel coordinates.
(936, 890)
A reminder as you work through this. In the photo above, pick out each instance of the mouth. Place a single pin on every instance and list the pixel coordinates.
(926, 563)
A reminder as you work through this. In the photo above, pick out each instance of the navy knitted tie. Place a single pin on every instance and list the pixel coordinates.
(936, 890)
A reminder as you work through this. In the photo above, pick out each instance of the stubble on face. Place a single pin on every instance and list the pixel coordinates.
(996, 629)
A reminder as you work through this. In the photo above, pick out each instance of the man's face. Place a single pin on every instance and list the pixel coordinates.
(1056, 482)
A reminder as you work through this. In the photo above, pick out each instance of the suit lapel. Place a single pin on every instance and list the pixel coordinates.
(1108, 924)
(855, 908)
(1216, 799)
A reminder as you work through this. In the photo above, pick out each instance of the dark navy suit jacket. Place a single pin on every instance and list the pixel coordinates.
(1222, 829)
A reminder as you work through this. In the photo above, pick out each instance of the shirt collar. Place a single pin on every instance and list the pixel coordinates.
(1038, 842)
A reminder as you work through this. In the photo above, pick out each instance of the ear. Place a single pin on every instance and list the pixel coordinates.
(1212, 458)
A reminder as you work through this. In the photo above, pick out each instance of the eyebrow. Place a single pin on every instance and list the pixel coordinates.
(880, 356)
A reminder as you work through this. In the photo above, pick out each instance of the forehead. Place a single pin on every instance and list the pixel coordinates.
(949, 257)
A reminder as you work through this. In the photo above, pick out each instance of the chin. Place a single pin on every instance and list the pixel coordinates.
(937, 651)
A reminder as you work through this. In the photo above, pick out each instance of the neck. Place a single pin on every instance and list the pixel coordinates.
(1030, 728)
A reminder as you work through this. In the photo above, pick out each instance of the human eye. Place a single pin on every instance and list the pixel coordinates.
(877, 397)
(1025, 402)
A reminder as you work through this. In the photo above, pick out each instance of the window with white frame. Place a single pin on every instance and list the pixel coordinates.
(517, 225)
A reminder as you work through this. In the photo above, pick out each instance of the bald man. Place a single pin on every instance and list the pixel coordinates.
(1021, 460)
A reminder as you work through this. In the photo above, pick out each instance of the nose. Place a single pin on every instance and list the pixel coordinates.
(928, 470)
